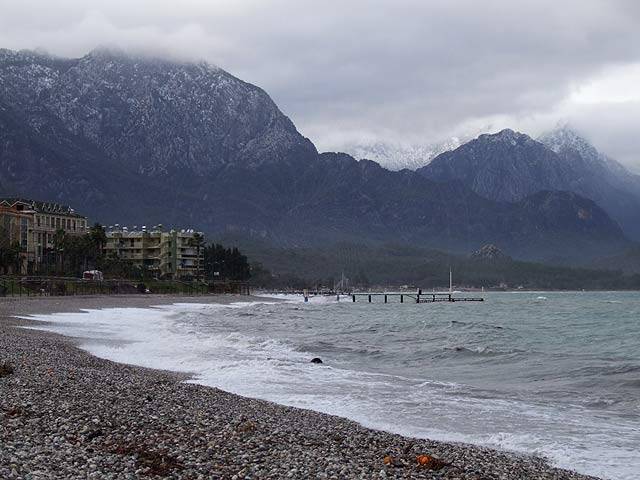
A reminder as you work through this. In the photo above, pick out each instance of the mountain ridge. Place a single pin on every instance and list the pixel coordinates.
(507, 166)
(133, 140)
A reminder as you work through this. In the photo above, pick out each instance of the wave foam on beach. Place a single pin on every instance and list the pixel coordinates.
(223, 346)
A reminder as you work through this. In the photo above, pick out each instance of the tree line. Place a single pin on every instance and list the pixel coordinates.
(71, 255)
(225, 263)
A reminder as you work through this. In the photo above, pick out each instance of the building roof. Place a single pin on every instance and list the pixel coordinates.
(49, 208)
(125, 232)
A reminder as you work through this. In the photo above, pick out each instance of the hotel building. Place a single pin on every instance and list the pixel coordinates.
(173, 254)
(33, 224)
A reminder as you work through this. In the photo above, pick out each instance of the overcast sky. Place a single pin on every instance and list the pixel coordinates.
(393, 71)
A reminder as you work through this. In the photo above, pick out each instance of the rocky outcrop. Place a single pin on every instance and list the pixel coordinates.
(490, 252)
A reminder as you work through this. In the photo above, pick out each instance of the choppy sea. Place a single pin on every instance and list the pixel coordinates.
(555, 374)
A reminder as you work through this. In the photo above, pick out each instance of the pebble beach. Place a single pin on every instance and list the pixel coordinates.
(65, 414)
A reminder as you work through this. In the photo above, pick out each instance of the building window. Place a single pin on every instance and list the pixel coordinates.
(73, 225)
(57, 223)
(38, 219)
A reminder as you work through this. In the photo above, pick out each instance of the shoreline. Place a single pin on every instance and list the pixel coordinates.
(67, 414)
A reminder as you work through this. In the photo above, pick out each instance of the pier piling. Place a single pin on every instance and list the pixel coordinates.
(419, 297)
(428, 297)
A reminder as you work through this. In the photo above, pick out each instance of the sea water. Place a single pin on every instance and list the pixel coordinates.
(554, 374)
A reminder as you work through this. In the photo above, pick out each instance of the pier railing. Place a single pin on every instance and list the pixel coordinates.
(419, 297)
(399, 297)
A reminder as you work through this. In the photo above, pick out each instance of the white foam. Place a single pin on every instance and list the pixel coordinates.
(196, 338)
(293, 298)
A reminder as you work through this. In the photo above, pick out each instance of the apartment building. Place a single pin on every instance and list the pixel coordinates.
(33, 225)
(174, 254)
(16, 221)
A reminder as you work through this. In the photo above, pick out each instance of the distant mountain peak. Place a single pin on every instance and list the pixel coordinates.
(108, 51)
(144, 57)
(572, 146)
(397, 156)
(505, 133)
(490, 252)
(565, 137)
(507, 136)
(508, 166)
(505, 166)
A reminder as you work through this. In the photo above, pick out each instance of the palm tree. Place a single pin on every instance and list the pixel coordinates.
(97, 240)
(58, 247)
(98, 237)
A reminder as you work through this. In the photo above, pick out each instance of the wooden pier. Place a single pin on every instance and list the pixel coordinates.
(420, 297)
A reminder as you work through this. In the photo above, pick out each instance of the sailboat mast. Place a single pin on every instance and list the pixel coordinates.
(450, 281)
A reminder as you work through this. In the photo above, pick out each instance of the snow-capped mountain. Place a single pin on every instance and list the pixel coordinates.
(505, 166)
(162, 115)
(139, 140)
(508, 166)
(577, 151)
(396, 156)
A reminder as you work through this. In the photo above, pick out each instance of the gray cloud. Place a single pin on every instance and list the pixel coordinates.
(402, 70)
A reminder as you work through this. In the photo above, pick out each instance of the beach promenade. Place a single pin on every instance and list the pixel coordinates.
(66, 414)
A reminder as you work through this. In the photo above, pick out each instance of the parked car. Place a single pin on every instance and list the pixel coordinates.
(93, 275)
